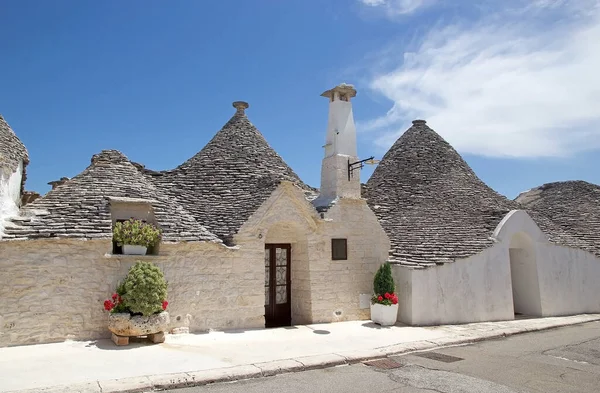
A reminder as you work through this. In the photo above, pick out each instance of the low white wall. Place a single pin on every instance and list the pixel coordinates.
(10, 194)
(474, 289)
(569, 280)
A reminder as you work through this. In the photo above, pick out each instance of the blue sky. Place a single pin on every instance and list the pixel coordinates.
(513, 86)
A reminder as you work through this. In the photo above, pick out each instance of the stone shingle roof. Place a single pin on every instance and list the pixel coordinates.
(12, 150)
(227, 181)
(431, 204)
(572, 205)
(80, 208)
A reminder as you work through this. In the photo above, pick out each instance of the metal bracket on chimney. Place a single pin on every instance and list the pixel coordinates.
(359, 164)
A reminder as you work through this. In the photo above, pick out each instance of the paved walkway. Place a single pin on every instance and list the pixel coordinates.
(188, 359)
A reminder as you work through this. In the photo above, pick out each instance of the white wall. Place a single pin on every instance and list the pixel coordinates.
(470, 290)
(10, 194)
(341, 131)
(569, 280)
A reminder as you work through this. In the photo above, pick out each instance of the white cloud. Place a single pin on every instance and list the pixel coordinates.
(397, 7)
(518, 83)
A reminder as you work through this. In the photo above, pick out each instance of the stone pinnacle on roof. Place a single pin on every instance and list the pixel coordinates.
(240, 106)
(224, 183)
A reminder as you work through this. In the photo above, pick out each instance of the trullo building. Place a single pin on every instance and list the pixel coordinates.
(247, 244)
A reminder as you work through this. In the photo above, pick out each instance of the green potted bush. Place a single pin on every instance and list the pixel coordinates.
(138, 307)
(136, 236)
(384, 303)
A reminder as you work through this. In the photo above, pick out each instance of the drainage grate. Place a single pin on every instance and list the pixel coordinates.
(440, 357)
(385, 364)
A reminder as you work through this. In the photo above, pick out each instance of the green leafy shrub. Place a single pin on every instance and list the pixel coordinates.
(144, 291)
(136, 233)
(384, 287)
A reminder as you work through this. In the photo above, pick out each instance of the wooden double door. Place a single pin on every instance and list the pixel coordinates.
(278, 310)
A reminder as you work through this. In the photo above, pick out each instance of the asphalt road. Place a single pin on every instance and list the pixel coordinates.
(559, 360)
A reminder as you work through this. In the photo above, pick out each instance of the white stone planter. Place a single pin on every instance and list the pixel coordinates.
(128, 249)
(384, 315)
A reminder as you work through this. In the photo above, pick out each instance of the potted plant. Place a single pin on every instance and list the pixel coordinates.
(384, 304)
(138, 308)
(135, 236)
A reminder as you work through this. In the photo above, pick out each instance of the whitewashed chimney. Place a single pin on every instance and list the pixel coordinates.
(340, 146)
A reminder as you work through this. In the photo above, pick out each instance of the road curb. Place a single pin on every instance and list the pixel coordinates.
(258, 370)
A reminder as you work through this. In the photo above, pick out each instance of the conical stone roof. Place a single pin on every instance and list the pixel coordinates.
(435, 209)
(12, 150)
(430, 202)
(229, 178)
(573, 205)
(80, 208)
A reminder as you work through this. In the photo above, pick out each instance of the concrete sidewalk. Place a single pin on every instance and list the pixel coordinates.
(189, 359)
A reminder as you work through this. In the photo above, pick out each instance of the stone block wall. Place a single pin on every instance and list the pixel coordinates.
(54, 290)
(323, 290)
(336, 285)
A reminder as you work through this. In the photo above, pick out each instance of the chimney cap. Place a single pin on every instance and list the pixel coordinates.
(419, 122)
(241, 106)
(344, 88)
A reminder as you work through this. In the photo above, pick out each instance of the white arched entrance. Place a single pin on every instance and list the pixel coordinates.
(524, 275)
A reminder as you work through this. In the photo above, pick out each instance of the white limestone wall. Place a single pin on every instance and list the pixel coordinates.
(341, 131)
(334, 178)
(53, 289)
(569, 280)
(337, 286)
(10, 194)
(322, 290)
(521, 273)
(474, 289)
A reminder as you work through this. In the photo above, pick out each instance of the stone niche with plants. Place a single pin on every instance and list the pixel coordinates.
(138, 307)
(136, 237)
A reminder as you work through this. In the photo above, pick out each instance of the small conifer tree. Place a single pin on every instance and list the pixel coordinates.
(384, 281)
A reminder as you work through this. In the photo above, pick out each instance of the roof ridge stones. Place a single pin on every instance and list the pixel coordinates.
(80, 208)
(230, 178)
(432, 205)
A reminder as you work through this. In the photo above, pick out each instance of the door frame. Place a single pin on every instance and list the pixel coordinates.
(277, 315)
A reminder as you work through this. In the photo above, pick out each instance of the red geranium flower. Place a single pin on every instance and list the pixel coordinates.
(165, 304)
(108, 305)
(380, 298)
(114, 297)
(387, 295)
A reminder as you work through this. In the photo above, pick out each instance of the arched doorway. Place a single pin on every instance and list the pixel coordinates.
(524, 276)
